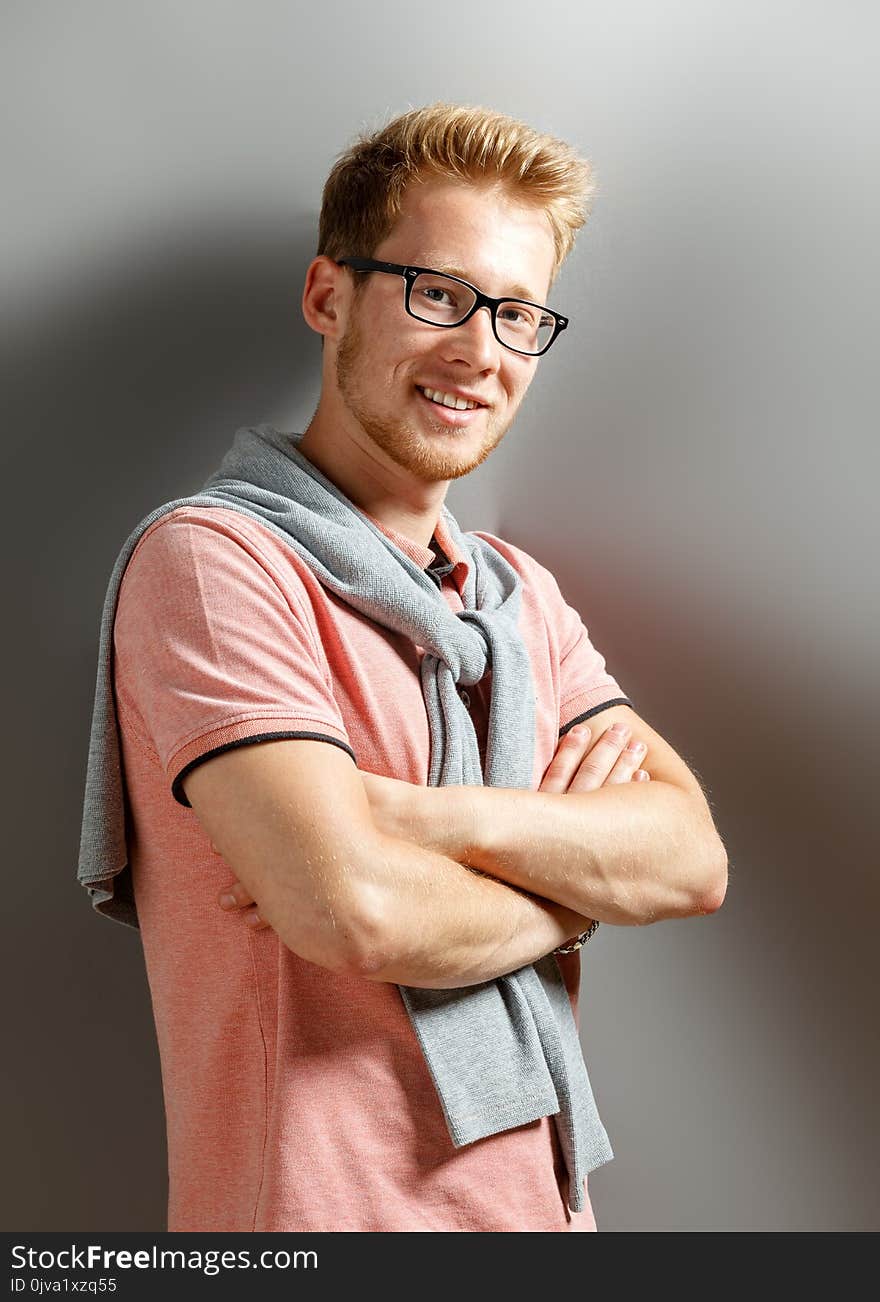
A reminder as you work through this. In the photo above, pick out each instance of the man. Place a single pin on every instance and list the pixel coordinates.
(296, 1094)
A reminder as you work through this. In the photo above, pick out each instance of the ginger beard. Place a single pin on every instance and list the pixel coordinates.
(447, 454)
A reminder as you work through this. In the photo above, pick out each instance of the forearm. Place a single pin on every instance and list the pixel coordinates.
(434, 923)
(626, 854)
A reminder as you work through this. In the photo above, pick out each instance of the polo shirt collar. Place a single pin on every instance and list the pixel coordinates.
(456, 563)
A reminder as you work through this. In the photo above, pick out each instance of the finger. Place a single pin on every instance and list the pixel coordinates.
(596, 765)
(254, 921)
(641, 775)
(564, 764)
(627, 762)
(235, 896)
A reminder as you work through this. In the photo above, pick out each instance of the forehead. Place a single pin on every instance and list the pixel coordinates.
(479, 233)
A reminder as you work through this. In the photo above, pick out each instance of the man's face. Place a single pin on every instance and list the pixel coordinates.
(385, 356)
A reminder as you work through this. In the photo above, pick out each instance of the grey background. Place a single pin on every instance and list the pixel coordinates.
(696, 461)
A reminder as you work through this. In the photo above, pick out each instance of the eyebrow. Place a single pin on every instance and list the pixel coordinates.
(516, 291)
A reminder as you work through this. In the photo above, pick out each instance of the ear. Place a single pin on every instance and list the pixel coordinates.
(325, 297)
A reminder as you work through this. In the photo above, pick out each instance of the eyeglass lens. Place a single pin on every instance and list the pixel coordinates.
(445, 302)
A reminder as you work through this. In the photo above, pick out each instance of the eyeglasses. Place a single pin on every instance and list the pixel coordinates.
(448, 301)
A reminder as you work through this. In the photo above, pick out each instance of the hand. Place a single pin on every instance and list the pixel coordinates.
(237, 896)
(580, 764)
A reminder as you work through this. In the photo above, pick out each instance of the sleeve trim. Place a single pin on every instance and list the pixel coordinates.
(588, 714)
(180, 795)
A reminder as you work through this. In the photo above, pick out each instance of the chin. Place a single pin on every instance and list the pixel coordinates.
(432, 464)
(431, 457)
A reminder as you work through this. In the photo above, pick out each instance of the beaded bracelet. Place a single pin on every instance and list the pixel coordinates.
(581, 940)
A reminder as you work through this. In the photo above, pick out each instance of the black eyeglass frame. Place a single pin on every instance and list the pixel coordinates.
(481, 300)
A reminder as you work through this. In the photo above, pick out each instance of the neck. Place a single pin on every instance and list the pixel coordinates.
(375, 483)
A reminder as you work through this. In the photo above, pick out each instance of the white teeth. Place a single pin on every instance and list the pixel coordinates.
(449, 400)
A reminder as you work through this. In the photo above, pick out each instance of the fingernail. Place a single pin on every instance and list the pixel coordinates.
(227, 901)
(620, 730)
(253, 919)
(637, 747)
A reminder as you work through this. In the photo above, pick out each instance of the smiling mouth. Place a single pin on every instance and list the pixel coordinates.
(449, 400)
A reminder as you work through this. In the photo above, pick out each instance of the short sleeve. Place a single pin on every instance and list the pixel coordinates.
(585, 686)
(213, 648)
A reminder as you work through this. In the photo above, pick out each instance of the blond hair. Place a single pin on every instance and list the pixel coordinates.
(364, 191)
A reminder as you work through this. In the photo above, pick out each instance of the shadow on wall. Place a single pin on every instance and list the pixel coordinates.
(125, 394)
(782, 981)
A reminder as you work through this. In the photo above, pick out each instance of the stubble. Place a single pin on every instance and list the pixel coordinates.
(412, 448)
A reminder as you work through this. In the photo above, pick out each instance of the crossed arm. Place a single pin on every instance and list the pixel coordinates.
(589, 839)
(623, 852)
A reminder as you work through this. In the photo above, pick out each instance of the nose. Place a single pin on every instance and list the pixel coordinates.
(474, 342)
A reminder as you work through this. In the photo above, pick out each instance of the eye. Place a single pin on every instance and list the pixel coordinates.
(518, 314)
(435, 294)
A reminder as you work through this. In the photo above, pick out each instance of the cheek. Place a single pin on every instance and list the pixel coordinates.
(411, 358)
(517, 387)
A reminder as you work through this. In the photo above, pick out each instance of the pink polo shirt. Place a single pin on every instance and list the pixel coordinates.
(298, 1099)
